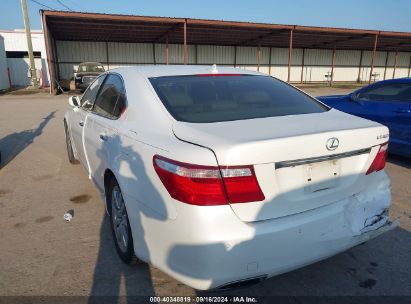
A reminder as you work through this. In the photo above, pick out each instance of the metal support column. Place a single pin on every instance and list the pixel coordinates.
(359, 68)
(386, 62)
(56, 60)
(167, 52)
(154, 53)
(185, 41)
(395, 63)
(373, 57)
(269, 62)
(49, 61)
(107, 57)
(302, 67)
(332, 68)
(290, 50)
(235, 56)
(258, 58)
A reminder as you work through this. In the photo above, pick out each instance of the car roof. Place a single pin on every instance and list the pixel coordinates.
(90, 63)
(396, 80)
(378, 83)
(149, 71)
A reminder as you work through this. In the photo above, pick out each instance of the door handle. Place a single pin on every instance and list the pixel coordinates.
(403, 111)
(103, 137)
(81, 123)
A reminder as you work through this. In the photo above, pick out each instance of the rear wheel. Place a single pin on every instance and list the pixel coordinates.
(120, 225)
(70, 152)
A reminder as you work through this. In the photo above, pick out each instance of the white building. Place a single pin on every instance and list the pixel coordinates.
(4, 83)
(17, 59)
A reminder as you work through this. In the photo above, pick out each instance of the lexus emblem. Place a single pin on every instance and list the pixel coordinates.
(332, 143)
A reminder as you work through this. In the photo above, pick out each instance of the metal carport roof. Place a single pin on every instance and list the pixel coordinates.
(78, 26)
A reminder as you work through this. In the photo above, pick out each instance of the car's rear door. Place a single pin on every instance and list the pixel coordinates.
(101, 137)
(79, 117)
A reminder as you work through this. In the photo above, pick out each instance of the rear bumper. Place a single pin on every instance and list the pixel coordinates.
(209, 247)
(388, 226)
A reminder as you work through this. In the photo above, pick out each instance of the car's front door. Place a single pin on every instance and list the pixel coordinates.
(79, 117)
(101, 127)
(388, 104)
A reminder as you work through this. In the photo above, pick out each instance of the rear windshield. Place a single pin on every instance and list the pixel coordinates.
(90, 68)
(206, 99)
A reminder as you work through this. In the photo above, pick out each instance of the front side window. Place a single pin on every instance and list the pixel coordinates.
(111, 100)
(89, 96)
(387, 92)
(214, 98)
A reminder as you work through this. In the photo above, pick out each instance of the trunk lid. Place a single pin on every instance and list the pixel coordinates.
(295, 170)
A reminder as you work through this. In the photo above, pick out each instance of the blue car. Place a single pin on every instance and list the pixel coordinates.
(387, 102)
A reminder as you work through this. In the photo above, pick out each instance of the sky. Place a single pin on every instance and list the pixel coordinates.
(362, 14)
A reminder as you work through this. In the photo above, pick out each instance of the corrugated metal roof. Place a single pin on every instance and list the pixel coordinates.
(126, 28)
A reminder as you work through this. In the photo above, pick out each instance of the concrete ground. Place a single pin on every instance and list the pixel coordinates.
(41, 254)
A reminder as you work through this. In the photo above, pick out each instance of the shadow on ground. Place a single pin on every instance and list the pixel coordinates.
(400, 160)
(15, 143)
(111, 273)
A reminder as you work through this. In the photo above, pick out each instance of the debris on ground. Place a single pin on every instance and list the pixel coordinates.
(68, 216)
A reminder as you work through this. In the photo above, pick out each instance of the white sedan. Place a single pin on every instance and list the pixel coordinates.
(223, 177)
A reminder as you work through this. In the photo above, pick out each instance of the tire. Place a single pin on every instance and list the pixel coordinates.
(120, 225)
(70, 152)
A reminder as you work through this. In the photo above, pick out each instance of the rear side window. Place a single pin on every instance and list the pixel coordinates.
(206, 99)
(111, 100)
(387, 92)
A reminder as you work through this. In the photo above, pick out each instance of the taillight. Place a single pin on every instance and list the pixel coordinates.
(207, 185)
(379, 160)
(241, 184)
(191, 184)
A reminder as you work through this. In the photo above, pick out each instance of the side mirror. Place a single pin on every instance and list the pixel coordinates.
(74, 101)
(87, 105)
